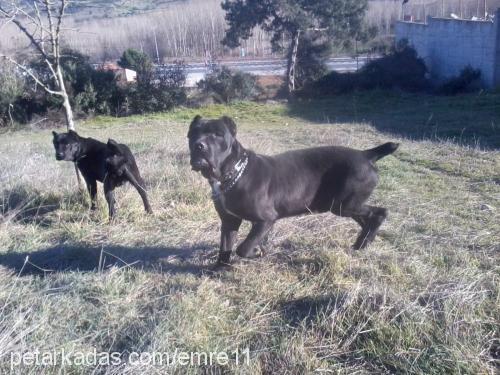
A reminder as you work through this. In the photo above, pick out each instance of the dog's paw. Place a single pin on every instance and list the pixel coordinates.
(256, 252)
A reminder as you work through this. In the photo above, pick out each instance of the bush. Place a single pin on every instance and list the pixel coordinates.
(227, 85)
(467, 81)
(160, 94)
(138, 61)
(401, 69)
(11, 91)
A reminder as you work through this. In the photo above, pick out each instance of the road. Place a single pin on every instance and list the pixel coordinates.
(197, 71)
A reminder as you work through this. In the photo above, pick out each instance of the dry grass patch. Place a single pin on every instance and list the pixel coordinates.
(424, 298)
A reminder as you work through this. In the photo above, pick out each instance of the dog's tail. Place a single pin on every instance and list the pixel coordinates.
(380, 151)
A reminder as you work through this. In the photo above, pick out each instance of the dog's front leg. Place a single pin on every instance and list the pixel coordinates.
(229, 231)
(248, 248)
(92, 189)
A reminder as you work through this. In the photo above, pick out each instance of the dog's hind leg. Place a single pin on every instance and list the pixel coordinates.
(140, 186)
(370, 222)
(109, 187)
(370, 218)
(248, 248)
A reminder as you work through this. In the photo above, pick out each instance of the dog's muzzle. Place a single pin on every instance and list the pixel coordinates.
(199, 164)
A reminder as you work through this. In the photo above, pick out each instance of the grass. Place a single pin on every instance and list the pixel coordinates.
(423, 299)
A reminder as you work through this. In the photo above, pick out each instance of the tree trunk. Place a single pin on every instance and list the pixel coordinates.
(292, 62)
(68, 112)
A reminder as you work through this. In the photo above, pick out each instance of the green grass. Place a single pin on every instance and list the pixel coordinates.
(423, 299)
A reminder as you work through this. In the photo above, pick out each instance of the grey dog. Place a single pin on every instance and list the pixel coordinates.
(263, 189)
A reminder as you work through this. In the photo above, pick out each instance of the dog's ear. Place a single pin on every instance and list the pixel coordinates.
(193, 124)
(230, 124)
(54, 134)
(113, 146)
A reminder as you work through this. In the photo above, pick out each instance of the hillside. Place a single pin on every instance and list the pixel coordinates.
(423, 299)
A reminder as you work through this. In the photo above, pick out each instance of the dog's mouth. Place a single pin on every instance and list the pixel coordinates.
(59, 157)
(200, 164)
(205, 167)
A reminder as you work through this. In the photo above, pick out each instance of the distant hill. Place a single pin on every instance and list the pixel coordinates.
(83, 9)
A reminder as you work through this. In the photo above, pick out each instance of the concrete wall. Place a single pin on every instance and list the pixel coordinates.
(448, 45)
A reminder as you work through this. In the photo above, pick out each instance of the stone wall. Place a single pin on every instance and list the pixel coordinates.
(448, 45)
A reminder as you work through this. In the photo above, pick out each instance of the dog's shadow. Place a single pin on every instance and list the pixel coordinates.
(195, 260)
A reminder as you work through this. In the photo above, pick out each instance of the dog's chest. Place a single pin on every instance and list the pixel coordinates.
(219, 198)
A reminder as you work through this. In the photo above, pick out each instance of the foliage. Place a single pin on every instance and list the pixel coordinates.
(338, 20)
(401, 69)
(313, 51)
(94, 91)
(138, 61)
(162, 93)
(467, 81)
(11, 90)
(227, 85)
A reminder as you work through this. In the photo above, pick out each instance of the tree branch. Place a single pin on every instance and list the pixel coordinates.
(30, 73)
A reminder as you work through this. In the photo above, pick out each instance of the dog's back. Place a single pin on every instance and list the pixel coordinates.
(92, 161)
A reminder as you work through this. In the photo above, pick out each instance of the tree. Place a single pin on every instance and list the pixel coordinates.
(41, 23)
(289, 20)
(138, 61)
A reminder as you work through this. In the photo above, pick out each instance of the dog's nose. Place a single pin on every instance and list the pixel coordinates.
(199, 146)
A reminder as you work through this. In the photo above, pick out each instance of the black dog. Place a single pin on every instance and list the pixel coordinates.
(112, 164)
(263, 189)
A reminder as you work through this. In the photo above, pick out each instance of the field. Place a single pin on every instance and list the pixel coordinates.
(423, 299)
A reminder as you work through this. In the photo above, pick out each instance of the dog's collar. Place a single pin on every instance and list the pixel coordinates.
(231, 178)
(80, 158)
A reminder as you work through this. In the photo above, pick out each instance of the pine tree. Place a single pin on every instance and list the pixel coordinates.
(290, 21)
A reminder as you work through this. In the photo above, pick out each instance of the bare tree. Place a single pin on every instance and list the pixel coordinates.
(41, 24)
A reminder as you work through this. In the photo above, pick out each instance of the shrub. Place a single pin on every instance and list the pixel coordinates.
(11, 90)
(467, 81)
(138, 61)
(401, 69)
(227, 85)
(160, 94)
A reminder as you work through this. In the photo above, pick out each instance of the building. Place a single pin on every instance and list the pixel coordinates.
(447, 45)
(123, 76)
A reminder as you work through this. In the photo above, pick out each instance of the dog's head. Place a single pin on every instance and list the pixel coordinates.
(67, 145)
(210, 143)
(115, 161)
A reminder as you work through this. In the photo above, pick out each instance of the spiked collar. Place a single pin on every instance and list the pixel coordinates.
(230, 178)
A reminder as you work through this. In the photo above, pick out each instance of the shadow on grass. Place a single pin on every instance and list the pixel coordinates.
(75, 258)
(471, 119)
(308, 310)
(27, 206)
